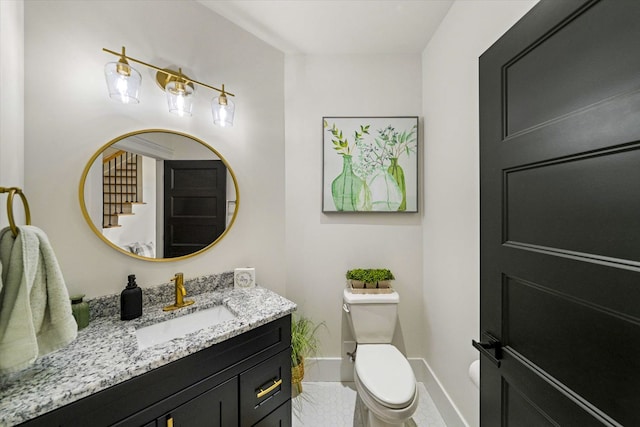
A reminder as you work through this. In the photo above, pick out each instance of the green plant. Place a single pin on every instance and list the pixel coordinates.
(397, 143)
(340, 143)
(304, 341)
(356, 274)
(380, 274)
(370, 275)
(389, 144)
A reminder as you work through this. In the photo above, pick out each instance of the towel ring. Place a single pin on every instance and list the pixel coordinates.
(13, 191)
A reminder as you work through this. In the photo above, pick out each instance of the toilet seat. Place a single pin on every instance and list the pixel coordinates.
(385, 374)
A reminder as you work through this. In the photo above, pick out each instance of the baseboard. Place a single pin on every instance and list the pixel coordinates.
(336, 369)
(449, 411)
(328, 369)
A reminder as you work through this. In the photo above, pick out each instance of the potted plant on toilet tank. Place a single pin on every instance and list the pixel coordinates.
(304, 343)
(370, 277)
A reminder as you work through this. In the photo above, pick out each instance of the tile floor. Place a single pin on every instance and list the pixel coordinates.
(334, 404)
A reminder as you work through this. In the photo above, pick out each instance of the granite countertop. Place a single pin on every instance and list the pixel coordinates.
(106, 352)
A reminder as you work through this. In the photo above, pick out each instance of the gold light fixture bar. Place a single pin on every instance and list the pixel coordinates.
(165, 75)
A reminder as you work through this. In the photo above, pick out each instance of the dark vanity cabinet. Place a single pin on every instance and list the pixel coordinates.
(243, 381)
(218, 406)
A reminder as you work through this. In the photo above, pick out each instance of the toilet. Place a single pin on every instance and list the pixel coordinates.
(384, 379)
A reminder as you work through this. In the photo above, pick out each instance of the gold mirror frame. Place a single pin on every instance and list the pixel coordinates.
(97, 232)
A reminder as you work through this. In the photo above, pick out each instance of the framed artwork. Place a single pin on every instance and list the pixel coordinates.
(370, 164)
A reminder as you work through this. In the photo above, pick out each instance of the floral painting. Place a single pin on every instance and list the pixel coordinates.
(370, 164)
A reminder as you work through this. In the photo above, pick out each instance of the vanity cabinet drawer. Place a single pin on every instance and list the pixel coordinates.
(264, 388)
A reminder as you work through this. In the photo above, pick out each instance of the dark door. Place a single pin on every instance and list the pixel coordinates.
(194, 205)
(560, 217)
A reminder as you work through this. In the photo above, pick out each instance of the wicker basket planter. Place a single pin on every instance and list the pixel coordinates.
(297, 375)
(304, 343)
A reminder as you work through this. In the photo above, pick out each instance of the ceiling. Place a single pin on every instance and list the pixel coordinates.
(337, 26)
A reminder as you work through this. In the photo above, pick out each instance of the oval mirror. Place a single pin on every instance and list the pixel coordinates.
(159, 195)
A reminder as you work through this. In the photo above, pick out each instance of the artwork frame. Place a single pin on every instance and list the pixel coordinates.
(370, 164)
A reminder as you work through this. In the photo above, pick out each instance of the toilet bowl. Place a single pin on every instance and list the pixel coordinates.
(386, 385)
(384, 379)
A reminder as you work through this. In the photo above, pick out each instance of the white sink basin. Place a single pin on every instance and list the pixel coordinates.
(180, 326)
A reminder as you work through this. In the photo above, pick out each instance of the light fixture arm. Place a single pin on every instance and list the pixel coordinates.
(179, 76)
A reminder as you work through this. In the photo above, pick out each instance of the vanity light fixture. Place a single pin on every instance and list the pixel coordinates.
(123, 82)
(179, 96)
(223, 109)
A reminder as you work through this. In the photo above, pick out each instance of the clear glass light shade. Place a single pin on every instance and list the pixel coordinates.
(123, 82)
(223, 110)
(179, 98)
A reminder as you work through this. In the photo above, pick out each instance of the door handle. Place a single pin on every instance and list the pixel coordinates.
(485, 347)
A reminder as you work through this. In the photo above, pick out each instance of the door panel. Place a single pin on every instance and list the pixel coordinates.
(560, 216)
(527, 394)
(551, 203)
(569, 329)
(194, 205)
(529, 414)
(537, 92)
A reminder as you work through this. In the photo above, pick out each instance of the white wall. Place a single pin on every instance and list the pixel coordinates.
(451, 227)
(69, 116)
(11, 104)
(320, 248)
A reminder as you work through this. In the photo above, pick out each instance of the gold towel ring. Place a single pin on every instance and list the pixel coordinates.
(13, 191)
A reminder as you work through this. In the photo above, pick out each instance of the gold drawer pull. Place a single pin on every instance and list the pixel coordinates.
(270, 389)
(170, 422)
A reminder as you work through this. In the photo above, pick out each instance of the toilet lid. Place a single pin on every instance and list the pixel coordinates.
(386, 374)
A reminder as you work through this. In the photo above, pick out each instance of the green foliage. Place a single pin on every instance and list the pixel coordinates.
(396, 143)
(304, 341)
(340, 143)
(389, 144)
(356, 274)
(370, 275)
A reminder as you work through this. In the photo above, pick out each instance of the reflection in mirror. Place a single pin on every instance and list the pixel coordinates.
(158, 195)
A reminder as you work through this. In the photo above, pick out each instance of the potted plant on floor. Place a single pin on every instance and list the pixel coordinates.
(304, 343)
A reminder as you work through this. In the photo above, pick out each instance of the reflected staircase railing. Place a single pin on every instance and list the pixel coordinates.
(120, 186)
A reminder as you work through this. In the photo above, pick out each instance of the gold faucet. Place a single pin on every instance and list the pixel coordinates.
(180, 294)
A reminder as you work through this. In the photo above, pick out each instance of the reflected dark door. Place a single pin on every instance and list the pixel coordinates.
(560, 218)
(194, 205)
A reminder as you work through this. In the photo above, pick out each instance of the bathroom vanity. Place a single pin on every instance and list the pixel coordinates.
(215, 386)
(237, 372)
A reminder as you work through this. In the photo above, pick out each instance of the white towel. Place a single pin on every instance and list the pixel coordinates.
(35, 311)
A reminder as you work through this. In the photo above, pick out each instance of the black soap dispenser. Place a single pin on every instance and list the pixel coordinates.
(131, 300)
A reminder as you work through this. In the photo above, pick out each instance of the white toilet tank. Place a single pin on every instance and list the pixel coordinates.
(372, 316)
